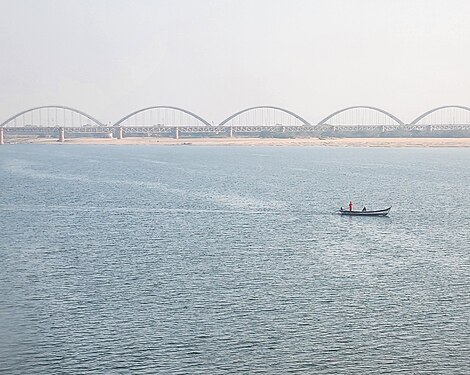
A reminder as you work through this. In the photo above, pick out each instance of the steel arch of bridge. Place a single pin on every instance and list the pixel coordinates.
(394, 118)
(162, 107)
(53, 107)
(419, 118)
(305, 122)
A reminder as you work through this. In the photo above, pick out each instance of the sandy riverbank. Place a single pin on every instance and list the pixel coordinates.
(334, 142)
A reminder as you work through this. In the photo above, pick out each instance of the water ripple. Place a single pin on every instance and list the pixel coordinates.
(227, 260)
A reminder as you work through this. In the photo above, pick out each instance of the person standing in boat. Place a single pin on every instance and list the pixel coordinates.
(350, 206)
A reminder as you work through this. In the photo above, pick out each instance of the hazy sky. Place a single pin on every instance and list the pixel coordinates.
(214, 57)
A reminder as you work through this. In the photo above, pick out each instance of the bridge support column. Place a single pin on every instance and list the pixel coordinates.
(383, 128)
(61, 135)
(177, 133)
(283, 129)
(120, 133)
(230, 132)
(1, 136)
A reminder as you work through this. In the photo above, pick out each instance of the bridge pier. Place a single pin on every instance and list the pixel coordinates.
(61, 135)
(230, 132)
(1, 136)
(177, 133)
(120, 133)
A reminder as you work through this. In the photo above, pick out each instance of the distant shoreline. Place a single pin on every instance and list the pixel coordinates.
(327, 142)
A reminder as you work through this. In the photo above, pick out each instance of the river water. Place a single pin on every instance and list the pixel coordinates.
(208, 260)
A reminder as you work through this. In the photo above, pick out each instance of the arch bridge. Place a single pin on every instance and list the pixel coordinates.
(52, 120)
(264, 115)
(444, 116)
(162, 115)
(51, 116)
(172, 121)
(361, 118)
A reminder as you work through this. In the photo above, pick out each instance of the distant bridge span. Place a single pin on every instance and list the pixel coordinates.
(53, 107)
(162, 107)
(394, 118)
(56, 123)
(419, 118)
(302, 120)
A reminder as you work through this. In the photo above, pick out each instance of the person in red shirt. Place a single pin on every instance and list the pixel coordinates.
(350, 206)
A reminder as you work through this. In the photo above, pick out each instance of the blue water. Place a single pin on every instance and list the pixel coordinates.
(209, 260)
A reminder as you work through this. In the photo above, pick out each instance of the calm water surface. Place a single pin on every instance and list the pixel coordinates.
(201, 260)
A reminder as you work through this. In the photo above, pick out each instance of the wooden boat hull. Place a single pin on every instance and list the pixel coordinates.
(366, 213)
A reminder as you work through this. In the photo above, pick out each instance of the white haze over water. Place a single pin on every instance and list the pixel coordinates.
(111, 57)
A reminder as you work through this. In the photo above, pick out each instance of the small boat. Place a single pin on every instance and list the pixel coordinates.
(365, 213)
